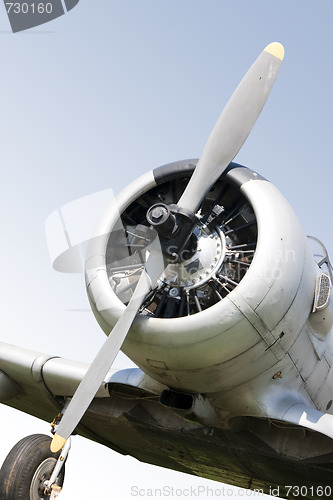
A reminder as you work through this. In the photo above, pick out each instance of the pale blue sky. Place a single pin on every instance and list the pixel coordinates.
(115, 88)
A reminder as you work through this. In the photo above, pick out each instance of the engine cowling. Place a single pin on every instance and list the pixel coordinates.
(241, 297)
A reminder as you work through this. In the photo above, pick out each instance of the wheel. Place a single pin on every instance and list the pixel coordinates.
(26, 467)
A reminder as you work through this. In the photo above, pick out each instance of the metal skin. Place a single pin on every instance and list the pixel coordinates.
(232, 351)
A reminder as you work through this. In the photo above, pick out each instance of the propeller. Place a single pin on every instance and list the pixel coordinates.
(91, 382)
(226, 139)
(233, 126)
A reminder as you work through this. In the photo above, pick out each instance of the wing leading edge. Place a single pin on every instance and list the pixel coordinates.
(128, 417)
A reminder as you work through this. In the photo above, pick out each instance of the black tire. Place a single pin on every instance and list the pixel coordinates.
(26, 467)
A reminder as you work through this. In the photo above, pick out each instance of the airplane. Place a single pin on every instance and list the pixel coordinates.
(202, 275)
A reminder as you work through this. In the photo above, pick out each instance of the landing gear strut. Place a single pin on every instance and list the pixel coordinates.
(31, 471)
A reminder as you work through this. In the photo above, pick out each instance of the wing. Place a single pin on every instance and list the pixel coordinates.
(132, 414)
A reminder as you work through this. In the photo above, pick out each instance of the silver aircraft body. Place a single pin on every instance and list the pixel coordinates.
(202, 275)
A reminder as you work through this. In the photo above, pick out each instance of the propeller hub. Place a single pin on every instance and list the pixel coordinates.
(162, 219)
(175, 229)
(158, 214)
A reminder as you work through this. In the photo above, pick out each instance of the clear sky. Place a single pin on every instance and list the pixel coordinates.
(108, 91)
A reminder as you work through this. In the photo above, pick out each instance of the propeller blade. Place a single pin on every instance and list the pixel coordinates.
(100, 366)
(226, 139)
(233, 126)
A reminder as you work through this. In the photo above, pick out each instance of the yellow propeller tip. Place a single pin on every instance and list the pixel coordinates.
(57, 443)
(276, 49)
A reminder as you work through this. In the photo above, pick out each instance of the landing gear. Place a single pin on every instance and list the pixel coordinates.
(28, 468)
